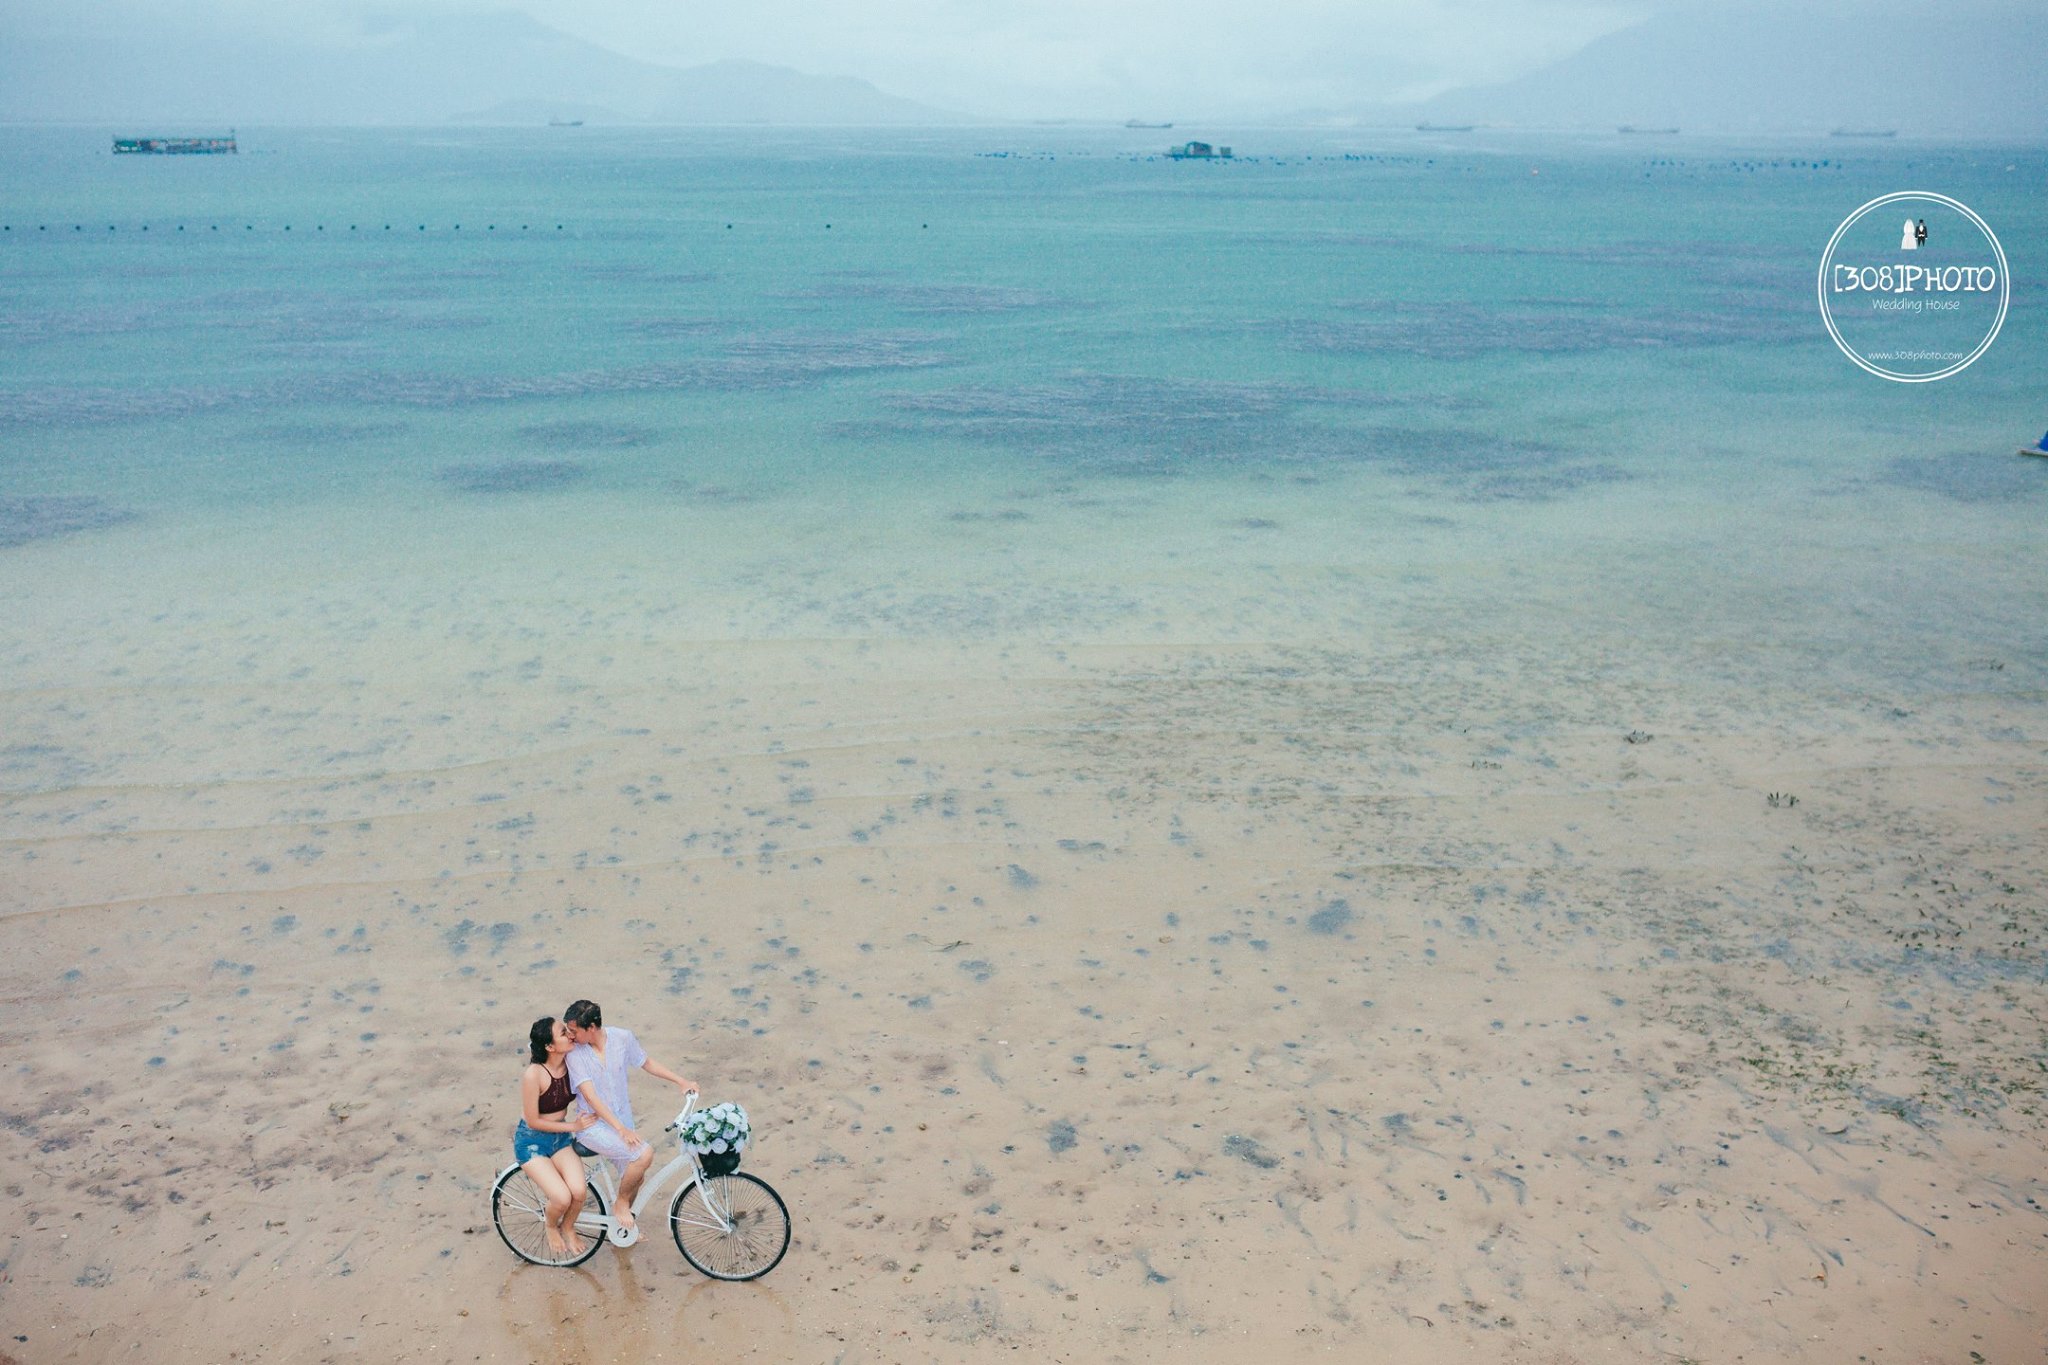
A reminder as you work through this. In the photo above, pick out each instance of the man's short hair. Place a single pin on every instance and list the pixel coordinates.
(583, 1014)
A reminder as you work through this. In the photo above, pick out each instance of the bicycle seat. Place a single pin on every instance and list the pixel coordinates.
(582, 1151)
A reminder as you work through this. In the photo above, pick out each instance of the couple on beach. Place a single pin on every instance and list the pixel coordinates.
(577, 1061)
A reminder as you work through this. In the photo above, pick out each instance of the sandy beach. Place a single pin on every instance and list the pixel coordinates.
(1396, 993)
(1358, 753)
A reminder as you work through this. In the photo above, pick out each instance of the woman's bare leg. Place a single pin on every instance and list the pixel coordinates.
(556, 1191)
(570, 1167)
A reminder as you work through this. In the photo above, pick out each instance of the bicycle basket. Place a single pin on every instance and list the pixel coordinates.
(719, 1163)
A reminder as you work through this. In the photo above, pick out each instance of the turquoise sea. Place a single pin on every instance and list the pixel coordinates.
(1504, 389)
(1045, 381)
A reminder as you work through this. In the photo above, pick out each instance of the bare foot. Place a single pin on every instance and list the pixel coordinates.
(624, 1218)
(575, 1242)
(556, 1246)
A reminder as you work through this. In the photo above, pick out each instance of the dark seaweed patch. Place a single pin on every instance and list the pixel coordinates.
(674, 327)
(716, 494)
(25, 519)
(569, 435)
(1541, 485)
(1330, 918)
(938, 300)
(292, 318)
(513, 476)
(22, 324)
(1480, 466)
(1459, 331)
(1969, 476)
(325, 433)
(1248, 1150)
(780, 361)
(1121, 423)
(754, 363)
(41, 767)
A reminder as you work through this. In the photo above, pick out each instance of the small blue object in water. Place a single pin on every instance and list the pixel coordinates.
(2042, 444)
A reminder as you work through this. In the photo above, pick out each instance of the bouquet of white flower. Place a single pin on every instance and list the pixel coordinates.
(717, 1134)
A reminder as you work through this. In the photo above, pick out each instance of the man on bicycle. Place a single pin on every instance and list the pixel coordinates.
(598, 1068)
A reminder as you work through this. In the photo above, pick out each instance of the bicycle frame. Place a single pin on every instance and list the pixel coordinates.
(606, 1178)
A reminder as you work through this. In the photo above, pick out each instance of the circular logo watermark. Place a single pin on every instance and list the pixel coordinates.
(1914, 286)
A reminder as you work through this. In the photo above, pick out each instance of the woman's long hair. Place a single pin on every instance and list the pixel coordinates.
(540, 1038)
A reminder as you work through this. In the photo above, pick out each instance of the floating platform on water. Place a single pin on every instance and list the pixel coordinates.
(174, 146)
(1198, 151)
(1444, 127)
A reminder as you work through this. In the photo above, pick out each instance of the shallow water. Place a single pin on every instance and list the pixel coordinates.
(1075, 389)
(1343, 329)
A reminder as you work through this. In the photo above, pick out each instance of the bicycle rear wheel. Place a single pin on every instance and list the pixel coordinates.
(520, 1211)
(730, 1227)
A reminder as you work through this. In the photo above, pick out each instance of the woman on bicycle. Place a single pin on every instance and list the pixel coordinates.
(544, 1143)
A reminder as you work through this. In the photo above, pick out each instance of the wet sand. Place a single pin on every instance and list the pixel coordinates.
(1095, 999)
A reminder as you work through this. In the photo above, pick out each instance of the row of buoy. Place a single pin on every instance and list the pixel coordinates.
(1672, 164)
(322, 227)
(251, 227)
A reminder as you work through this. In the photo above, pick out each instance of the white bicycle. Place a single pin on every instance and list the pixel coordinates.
(728, 1224)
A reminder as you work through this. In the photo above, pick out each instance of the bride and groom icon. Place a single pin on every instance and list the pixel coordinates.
(1913, 236)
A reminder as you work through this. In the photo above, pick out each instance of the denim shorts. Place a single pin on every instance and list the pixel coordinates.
(527, 1144)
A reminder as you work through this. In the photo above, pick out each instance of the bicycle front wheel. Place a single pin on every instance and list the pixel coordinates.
(520, 1210)
(730, 1227)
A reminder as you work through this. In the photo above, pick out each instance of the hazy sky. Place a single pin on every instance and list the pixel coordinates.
(1968, 66)
(1144, 56)
(1155, 58)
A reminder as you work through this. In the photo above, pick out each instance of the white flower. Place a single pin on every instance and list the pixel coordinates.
(718, 1129)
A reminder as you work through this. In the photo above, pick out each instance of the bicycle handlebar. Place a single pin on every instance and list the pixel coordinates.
(689, 1103)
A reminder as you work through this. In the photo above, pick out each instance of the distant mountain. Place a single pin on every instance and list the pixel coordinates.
(1930, 70)
(420, 70)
